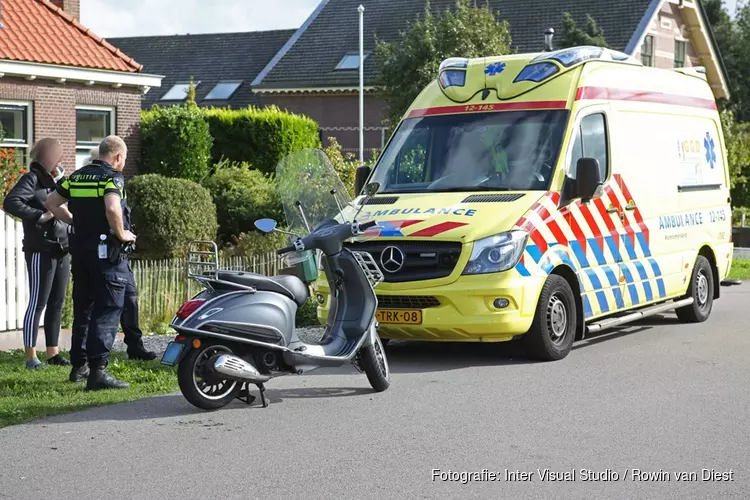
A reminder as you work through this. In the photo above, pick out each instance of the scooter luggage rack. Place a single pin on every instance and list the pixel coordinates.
(369, 267)
(203, 260)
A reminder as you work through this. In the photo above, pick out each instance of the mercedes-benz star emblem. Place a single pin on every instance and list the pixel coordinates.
(392, 259)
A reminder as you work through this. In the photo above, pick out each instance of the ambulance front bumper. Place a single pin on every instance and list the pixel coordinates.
(465, 310)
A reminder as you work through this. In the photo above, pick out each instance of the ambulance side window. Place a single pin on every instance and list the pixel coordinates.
(593, 134)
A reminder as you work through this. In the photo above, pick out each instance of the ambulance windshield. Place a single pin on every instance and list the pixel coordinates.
(495, 151)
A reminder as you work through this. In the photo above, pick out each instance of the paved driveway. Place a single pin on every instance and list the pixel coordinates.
(657, 396)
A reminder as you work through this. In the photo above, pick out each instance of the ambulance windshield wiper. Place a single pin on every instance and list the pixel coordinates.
(467, 189)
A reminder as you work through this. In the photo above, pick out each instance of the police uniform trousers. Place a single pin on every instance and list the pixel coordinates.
(99, 290)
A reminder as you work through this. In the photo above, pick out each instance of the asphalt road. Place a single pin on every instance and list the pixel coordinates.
(657, 396)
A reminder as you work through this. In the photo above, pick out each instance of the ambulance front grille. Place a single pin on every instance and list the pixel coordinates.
(407, 301)
(422, 260)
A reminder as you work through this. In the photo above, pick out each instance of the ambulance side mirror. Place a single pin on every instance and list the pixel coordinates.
(360, 178)
(588, 178)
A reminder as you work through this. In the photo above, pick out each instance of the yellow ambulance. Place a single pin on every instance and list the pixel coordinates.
(549, 195)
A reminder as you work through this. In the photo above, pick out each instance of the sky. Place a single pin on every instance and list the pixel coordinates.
(117, 18)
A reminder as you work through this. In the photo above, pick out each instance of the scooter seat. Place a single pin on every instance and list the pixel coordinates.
(287, 285)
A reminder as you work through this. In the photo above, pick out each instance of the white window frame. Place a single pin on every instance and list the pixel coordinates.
(187, 88)
(685, 57)
(652, 55)
(350, 54)
(29, 128)
(85, 149)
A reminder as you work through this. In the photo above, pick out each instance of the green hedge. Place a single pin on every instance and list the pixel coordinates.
(260, 136)
(169, 214)
(242, 196)
(176, 142)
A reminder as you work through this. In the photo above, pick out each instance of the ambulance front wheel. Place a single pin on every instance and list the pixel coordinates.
(552, 333)
(701, 289)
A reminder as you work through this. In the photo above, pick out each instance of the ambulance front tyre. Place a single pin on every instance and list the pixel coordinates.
(552, 333)
(701, 289)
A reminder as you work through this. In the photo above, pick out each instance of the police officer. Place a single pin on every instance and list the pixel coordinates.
(129, 319)
(94, 196)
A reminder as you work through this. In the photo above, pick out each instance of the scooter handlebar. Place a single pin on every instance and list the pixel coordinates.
(367, 225)
(282, 251)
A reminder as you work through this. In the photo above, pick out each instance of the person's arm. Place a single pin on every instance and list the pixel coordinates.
(17, 201)
(57, 202)
(113, 209)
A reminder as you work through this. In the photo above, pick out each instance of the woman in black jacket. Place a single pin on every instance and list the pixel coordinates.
(45, 244)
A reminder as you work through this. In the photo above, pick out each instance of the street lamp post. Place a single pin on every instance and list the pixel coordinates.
(361, 11)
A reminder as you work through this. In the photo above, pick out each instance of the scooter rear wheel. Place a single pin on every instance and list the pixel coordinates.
(200, 384)
(375, 364)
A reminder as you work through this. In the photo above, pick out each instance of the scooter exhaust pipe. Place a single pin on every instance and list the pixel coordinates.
(236, 368)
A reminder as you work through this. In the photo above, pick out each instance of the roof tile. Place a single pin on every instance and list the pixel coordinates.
(207, 58)
(311, 61)
(37, 31)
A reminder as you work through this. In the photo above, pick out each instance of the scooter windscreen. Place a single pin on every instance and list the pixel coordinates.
(311, 193)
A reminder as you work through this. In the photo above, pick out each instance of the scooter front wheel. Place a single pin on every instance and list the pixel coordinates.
(198, 382)
(375, 365)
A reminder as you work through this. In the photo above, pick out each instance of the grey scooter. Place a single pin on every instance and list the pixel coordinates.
(240, 330)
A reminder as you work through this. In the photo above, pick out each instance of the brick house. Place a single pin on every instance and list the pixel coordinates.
(59, 79)
(317, 71)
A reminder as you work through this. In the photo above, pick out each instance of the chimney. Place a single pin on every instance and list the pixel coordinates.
(71, 7)
(548, 35)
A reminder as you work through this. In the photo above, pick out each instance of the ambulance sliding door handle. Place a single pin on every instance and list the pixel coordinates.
(612, 210)
(630, 207)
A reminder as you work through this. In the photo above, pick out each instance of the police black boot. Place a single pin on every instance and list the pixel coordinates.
(79, 373)
(139, 353)
(99, 379)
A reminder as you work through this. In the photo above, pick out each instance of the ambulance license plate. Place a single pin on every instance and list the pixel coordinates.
(399, 316)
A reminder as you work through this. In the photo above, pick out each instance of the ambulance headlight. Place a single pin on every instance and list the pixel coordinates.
(496, 253)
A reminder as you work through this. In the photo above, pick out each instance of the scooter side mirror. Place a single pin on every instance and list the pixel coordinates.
(265, 225)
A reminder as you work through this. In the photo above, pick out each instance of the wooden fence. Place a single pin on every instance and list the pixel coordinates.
(163, 285)
(14, 291)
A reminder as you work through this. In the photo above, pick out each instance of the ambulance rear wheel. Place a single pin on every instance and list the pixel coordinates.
(701, 289)
(554, 328)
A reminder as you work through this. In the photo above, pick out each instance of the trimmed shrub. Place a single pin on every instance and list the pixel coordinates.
(176, 142)
(169, 214)
(242, 196)
(260, 136)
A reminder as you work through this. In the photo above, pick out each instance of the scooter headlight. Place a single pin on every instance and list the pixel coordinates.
(496, 253)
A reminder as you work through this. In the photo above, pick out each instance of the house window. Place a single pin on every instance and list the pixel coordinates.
(93, 124)
(680, 49)
(178, 92)
(15, 120)
(350, 61)
(647, 51)
(223, 91)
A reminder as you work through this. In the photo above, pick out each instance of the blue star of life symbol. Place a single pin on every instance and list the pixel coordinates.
(708, 143)
(494, 68)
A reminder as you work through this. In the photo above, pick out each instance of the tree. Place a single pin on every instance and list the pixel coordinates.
(573, 36)
(737, 140)
(409, 64)
(190, 98)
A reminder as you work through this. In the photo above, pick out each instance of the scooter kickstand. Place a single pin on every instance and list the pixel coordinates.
(245, 395)
(263, 399)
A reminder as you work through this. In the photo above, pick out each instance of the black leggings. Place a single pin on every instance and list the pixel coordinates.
(48, 281)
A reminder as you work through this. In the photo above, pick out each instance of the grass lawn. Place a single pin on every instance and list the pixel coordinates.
(740, 269)
(30, 394)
